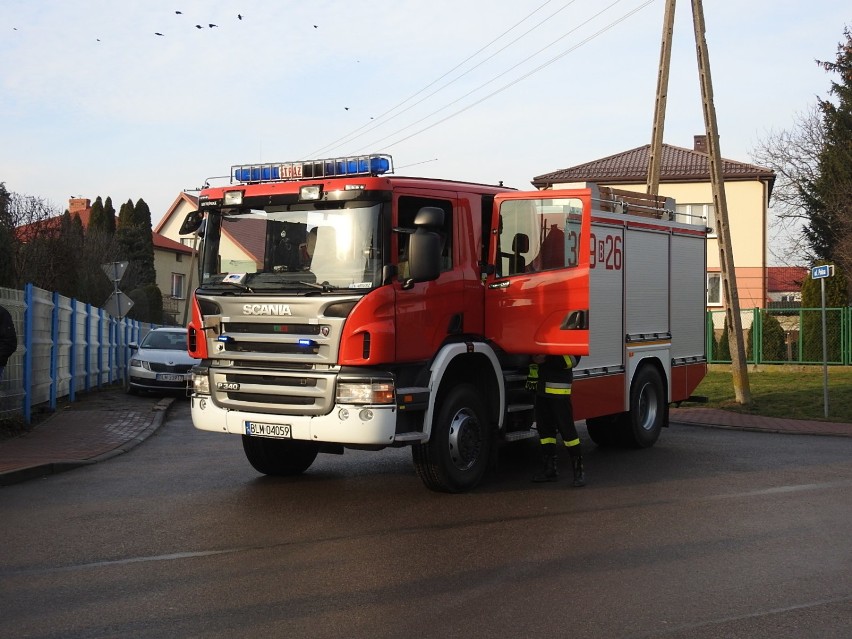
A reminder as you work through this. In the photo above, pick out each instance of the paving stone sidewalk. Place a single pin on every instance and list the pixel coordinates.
(102, 424)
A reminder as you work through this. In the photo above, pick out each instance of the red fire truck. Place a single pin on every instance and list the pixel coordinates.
(341, 306)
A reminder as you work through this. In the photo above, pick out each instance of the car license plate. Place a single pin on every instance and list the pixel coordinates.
(259, 429)
(170, 377)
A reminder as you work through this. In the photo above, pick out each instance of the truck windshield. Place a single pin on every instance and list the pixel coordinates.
(280, 250)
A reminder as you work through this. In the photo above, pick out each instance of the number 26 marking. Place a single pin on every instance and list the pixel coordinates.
(606, 251)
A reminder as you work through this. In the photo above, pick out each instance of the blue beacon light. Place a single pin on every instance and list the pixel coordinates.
(373, 164)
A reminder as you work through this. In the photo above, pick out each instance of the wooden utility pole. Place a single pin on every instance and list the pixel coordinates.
(655, 155)
(726, 256)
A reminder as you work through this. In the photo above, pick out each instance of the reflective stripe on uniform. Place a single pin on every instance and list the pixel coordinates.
(573, 442)
(554, 388)
(548, 440)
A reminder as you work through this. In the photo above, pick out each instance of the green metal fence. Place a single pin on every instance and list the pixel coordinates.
(784, 336)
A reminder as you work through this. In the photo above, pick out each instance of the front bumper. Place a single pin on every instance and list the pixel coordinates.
(345, 424)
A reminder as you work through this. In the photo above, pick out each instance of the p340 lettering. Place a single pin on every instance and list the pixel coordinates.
(227, 386)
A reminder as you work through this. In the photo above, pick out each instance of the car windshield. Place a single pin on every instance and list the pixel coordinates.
(312, 249)
(167, 341)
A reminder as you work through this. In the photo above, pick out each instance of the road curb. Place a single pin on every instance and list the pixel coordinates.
(53, 468)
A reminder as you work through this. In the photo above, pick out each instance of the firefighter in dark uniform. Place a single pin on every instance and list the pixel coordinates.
(552, 376)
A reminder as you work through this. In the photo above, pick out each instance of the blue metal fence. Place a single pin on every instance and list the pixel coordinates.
(64, 347)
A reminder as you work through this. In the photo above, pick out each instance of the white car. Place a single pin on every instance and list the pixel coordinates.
(161, 362)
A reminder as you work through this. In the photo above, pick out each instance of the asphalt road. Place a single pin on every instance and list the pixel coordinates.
(712, 533)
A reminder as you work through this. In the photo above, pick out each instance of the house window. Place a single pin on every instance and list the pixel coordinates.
(698, 214)
(177, 285)
(178, 257)
(188, 241)
(714, 289)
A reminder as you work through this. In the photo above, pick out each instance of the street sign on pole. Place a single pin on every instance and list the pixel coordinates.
(115, 270)
(821, 273)
(118, 304)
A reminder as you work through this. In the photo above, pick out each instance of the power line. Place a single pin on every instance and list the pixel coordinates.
(377, 121)
(512, 83)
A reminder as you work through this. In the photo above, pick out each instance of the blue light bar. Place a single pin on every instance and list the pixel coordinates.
(377, 164)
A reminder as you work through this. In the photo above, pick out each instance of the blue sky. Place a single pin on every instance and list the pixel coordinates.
(94, 103)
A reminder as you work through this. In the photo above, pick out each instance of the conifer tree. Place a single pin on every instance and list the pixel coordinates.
(828, 197)
(97, 221)
(7, 230)
(109, 211)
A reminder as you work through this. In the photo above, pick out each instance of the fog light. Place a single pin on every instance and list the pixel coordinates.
(312, 192)
(233, 198)
(366, 415)
(343, 414)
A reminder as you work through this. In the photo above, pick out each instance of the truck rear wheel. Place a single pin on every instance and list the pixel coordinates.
(280, 457)
(640, 428)
(456, 456)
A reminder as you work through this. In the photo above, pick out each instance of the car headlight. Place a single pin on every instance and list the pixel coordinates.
(140, 363)
(375, 392)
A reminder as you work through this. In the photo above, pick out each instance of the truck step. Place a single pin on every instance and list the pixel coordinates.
(517, 435)
(415, 436)
(515, 377)
(519, 408)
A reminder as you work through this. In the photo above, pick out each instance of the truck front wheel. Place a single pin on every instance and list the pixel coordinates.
(280, 457)
(456, 456)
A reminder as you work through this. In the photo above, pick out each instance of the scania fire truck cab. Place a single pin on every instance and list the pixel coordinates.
(341, 306)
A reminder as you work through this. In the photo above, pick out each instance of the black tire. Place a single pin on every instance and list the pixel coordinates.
(640, 428)
(279, 457)
(456, 456)
(605, 431)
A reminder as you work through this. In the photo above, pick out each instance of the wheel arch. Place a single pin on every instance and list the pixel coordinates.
(472, 363)
(659, 359)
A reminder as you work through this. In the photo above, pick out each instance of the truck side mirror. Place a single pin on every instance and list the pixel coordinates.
(425, 245)
(424, 255)
(191, 223)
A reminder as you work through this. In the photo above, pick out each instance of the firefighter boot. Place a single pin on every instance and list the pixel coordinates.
(577, 466)
(550, 465)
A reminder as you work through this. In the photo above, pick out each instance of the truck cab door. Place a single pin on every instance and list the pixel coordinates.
(537, 289)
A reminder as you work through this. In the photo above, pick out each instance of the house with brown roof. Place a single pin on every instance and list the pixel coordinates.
(685, 176)
(238, 248)
(784, 285)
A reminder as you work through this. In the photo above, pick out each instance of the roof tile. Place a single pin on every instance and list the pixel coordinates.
(677, 164)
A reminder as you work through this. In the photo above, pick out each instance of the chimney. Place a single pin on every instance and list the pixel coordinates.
(78, 205)
(700, 143)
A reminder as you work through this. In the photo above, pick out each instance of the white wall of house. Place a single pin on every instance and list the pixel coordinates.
(173, 280)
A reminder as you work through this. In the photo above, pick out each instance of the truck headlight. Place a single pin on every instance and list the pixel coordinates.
(365, 392)
(200, 383)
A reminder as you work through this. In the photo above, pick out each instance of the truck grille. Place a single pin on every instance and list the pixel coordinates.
(281, 364)
(283, 392)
